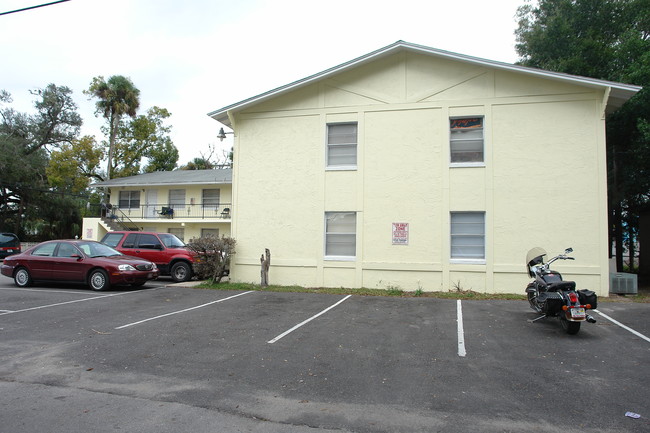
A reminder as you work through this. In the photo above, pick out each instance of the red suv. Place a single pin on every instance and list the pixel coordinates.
(169, 253)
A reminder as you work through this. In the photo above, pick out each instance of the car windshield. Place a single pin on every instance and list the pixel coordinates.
(95, 249)
(171, 241)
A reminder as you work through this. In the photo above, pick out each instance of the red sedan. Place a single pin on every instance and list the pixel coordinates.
(94, 263)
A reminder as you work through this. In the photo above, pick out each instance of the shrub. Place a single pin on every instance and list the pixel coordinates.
(213, 257)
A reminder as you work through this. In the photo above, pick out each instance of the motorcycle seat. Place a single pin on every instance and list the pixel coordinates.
(561, 285)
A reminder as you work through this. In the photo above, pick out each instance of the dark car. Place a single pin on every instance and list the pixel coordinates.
(9, 244)
(90, 262)
(164, 249)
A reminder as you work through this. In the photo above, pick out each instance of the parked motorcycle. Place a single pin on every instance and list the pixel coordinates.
(551, 296)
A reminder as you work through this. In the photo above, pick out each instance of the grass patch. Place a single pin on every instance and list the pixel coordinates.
(391, 291)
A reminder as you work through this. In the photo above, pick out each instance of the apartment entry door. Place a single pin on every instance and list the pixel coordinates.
(151, 203)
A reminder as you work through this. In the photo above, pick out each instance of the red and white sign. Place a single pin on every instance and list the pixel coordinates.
(400, 233)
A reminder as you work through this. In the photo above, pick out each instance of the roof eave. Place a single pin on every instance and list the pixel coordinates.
(621, 92)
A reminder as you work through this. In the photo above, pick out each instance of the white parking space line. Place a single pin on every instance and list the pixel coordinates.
(66, 303)
(183, 311)
(306, 321)
(461, 331)
(79, 292)
(638, 334)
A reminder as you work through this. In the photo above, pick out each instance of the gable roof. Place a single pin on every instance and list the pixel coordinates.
(619, 93)
(176, 177)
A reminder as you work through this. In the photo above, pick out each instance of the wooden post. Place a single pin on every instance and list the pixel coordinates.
(266, 263)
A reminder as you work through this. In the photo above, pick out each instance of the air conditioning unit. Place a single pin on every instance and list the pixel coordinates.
(623, 284)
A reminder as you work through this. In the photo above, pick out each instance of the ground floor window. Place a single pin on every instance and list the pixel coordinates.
(468, 235)
(178, 232)
(340, 234)
(209, 232)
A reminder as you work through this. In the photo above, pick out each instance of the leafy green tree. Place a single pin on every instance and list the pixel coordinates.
(25, 142)
(162, 157)
(74, 166)
(117, 97)
(145, 138)
(199, 163)
(610, 40)
(210, 161)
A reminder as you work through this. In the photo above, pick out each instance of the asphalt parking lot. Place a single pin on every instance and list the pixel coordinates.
(177, 359)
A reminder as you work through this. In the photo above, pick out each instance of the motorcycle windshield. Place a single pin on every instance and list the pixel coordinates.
(534, 257)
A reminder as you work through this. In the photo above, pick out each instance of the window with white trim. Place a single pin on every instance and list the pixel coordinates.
(129, 200)
(210, 232)
(342, 145)
(177, 199)
(466, 140)
(341, 234)
(178, 232)
(468, 235)
(211, 197)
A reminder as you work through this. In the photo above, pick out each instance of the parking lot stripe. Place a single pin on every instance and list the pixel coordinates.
(49, 291)
(638, 334)
(183, 311)
(306, 321)
(461, 331)
(65, 303)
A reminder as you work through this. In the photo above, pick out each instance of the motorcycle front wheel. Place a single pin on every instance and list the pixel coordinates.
(570, 327)
(532, 300)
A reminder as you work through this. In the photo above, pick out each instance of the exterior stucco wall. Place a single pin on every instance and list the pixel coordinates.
(543, 182)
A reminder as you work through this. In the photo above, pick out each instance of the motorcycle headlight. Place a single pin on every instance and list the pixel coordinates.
(126, 268)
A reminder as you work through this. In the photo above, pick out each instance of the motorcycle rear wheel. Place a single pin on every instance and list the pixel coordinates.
(571, 328)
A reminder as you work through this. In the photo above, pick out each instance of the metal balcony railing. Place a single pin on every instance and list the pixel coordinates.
(173, 211)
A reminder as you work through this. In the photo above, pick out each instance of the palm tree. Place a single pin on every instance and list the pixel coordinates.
(116, 97)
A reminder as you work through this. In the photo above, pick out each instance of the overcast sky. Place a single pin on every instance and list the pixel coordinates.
(195, 56)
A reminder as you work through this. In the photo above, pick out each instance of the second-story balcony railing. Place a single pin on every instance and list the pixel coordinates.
(171, 211)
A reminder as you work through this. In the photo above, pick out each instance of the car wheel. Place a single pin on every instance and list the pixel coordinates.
(180, 272)
(22, 278)
(98, 280)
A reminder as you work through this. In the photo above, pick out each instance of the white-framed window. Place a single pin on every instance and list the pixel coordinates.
(342, 146)
(129, 200)
(177, 199)
(468, 236)
(210, 232)
(178, 232)
(340, 235)
(211, 198)
(466, 140)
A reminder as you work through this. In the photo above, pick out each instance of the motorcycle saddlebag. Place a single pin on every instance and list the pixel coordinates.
(588, 297)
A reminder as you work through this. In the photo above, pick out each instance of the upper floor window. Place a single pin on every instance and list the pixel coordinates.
(342, 145)
(177, 198)
(466, 140)
(129, 199)
(211, 197)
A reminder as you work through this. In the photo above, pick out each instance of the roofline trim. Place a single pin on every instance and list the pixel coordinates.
(113, 185)
(221, 114)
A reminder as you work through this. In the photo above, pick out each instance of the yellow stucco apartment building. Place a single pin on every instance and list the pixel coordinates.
(416, 168)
